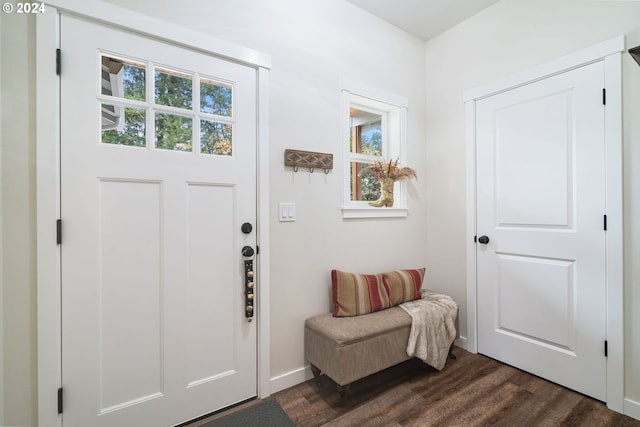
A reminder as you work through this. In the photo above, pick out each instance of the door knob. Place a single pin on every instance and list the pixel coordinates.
(483, 239)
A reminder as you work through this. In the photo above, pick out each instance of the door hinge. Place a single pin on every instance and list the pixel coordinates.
(58, 62)
(604, 224)
(59, 231)
(60, 401)
(606, 348)
(604, 96)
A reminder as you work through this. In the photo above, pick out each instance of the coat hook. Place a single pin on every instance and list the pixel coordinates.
(307, 159)
(326, 171)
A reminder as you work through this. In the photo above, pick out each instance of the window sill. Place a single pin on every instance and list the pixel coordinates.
(349, 212)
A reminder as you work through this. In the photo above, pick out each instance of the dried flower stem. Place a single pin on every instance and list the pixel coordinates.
(383, 170)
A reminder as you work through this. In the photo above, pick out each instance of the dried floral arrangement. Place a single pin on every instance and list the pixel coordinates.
(381, 169)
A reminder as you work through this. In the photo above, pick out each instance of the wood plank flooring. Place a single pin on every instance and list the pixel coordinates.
(472, 390)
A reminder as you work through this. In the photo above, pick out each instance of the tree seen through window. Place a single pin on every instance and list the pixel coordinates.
(174, 128)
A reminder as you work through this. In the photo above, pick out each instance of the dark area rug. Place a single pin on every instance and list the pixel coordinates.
(268, 413)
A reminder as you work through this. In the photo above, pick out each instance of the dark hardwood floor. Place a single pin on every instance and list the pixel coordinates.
(472, 390)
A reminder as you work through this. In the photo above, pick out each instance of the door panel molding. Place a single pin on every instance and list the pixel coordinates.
(610, 53)
(48, 179)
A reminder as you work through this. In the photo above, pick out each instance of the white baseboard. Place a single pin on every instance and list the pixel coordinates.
(632, 409)
(461, 342)
(289, 379)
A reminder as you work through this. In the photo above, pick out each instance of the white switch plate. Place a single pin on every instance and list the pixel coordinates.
(286, 212)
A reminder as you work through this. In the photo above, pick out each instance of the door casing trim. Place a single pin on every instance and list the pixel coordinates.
(610, 53)
(48, 180)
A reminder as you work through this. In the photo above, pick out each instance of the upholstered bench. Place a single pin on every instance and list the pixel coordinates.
(347, 349)
(367, 332)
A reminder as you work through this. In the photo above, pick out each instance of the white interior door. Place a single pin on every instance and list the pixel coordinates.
(541, 204)
(158, 164)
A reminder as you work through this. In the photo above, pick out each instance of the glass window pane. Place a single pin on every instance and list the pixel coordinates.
(215, 98)
(123, 125)
(364, 184)
(216, 138)
(366, 132)
(173, 89)
(123, 79)
(173, 132)
(372, 139)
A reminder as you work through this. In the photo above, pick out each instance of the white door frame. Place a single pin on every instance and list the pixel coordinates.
(48, 178)
(609, 52)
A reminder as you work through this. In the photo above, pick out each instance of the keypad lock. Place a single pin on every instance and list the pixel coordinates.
(248, 290)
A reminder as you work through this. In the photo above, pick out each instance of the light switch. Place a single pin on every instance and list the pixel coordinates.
(287, 212)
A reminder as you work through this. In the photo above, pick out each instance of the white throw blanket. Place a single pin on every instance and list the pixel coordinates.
(433, 327)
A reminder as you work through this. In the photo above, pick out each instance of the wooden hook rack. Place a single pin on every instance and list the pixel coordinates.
(308, 159)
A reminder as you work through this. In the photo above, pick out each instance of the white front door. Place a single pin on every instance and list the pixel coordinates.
(158, 164)
(541, 205)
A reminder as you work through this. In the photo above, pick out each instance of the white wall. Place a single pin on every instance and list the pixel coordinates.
(1, 254)
(511, 36)
(17, 189)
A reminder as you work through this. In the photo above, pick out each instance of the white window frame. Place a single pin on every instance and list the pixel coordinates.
(393, 110)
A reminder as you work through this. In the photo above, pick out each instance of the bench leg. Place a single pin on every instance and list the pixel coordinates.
(451, 355)
(316, 374)
(343, 390)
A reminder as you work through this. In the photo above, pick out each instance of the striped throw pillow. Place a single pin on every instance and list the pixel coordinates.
(403, 285)
(356, 294)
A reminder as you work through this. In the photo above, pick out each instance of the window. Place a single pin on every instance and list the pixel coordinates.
(186, 111)
(373, 130)
(365, 146)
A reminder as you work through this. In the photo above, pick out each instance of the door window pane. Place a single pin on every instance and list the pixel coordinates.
(123, 125)
(171, 107)
(173, 132)
(216, 138)
(123, 79)
(215, 98)
(173, 89)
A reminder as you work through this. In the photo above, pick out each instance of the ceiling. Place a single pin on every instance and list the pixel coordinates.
(424, 18)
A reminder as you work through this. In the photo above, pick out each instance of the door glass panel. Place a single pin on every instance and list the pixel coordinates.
(215, 138)
(123, 125)
(365, 185)
(123, 79)
(173, 89)
(215, 98)
(173, 132)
